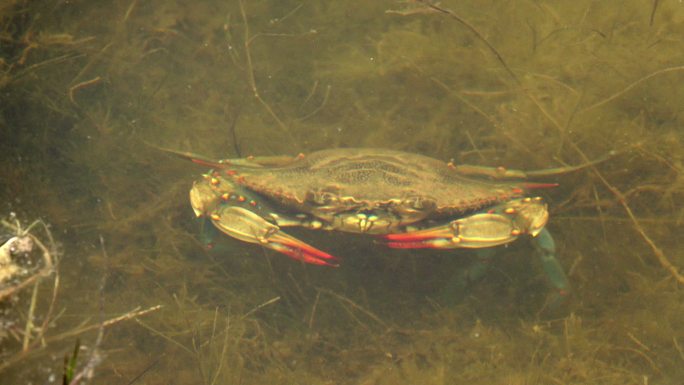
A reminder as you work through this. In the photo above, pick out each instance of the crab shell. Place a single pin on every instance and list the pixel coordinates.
(339, 184)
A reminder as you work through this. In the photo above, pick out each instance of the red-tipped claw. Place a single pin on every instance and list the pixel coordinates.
(245, 225)
(422, 235)
(296, 249)
(433, 238)
(497, 226)
(475, 231)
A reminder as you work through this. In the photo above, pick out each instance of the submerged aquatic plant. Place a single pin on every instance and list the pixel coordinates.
(527, 85)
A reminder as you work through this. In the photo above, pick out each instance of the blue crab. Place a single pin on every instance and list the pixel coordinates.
(405, 199)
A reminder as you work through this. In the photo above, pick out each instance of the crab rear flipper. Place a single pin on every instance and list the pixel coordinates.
(245, 225)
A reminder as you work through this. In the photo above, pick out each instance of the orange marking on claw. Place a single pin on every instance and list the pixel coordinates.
(419, 235)
(299, 250)
(409, 245)
(540, 185)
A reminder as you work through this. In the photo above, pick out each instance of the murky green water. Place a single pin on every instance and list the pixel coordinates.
(86, 86)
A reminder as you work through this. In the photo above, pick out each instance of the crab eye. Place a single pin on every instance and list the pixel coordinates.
(321, 198)
(421, 202)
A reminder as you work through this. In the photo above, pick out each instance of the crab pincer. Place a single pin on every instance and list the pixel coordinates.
(496, 226)
(247, 226)
(477, 231)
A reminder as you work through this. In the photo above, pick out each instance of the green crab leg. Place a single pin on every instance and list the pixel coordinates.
(478, 268)
(457, 288)
(546, 247)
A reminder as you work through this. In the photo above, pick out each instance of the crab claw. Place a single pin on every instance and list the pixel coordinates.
(296, 249)
(247, 226)
(476, 231)
(497, 226)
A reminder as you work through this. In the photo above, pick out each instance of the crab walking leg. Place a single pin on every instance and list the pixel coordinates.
(457, 287)
(546, 248)
(243, 224)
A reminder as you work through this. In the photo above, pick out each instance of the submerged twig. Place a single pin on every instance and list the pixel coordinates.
(250, 72)
(29, 319)
(634, 84)
(259, 307)
(446, 11)
(360, 308)
(224, 350)
(326, 95)
(662, 258)
(133, 314)
(679, 348)
(232, 130)
(653, 12)
(84, 84)
(94, 359)
(313, 309)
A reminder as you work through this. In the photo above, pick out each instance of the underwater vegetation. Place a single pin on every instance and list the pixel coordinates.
(132, 295)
